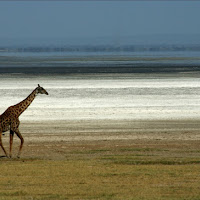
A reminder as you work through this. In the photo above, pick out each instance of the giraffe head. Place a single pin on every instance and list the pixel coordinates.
(41, 90)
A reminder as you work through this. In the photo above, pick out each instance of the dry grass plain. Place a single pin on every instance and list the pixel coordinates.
(105, 159)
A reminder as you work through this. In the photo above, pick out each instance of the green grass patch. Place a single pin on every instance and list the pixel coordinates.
(144, 160)
(93, 179)
(93, 151)
(142, 172)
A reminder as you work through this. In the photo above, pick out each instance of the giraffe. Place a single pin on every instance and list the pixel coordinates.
(9, 120)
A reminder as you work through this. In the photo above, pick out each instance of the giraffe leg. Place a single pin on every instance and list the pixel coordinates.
(22, 141)
(1, 144)
(11, 142)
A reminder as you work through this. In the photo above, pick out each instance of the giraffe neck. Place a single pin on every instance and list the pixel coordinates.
(23, 105)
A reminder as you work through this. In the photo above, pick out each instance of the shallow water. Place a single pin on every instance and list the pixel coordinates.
(104, 97)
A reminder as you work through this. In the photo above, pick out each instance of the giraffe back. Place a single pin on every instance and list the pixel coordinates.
(9, 119)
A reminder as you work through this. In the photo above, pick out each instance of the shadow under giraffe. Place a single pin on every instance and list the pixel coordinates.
(9, 120)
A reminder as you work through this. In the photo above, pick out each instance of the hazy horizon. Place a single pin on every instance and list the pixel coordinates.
(157, 39)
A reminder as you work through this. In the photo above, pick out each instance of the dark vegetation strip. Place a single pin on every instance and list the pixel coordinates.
(101, 69)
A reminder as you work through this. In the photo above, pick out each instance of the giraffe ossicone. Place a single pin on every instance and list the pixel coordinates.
(9, 120)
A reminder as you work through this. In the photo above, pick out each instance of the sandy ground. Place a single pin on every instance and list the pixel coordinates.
(56, 139)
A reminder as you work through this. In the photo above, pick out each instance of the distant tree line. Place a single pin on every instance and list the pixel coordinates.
(102, 48)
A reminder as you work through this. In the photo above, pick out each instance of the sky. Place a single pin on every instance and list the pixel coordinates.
(81, 19)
